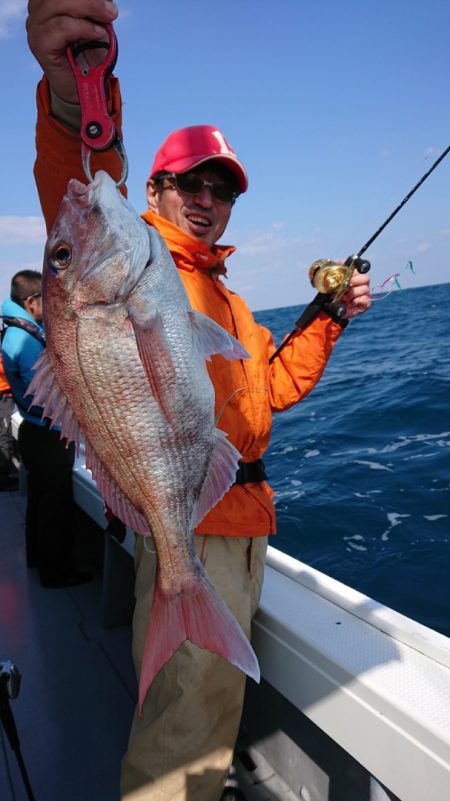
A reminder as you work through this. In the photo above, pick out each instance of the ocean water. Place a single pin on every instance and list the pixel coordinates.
(361, 467)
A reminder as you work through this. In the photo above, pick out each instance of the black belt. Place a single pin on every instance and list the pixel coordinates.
(250, 472)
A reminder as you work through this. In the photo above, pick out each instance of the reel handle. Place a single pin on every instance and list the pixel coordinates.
(335, 309)
(362, 265)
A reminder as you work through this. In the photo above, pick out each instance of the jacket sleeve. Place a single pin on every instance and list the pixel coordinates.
(58, 151)
(298, 368)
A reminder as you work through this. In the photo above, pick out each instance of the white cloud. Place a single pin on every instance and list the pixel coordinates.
(424, 247)
(124, 13)
(430, 151)
(10, 12)
(268, 242)
(22, 230)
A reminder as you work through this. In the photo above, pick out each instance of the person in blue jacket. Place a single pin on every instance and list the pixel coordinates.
(49, 463)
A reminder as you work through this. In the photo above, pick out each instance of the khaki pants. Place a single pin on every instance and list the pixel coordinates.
(181, 749)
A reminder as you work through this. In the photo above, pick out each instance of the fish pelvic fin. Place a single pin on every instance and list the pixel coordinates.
(219, 478)
(211, 338)
(203, 618)
(47, 393)
(154, 352)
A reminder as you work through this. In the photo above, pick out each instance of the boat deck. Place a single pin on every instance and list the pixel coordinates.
(78, 688)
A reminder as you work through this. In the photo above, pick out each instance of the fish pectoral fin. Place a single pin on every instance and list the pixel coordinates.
(200, 616)
(154, 352)
(219, 478)
(211, 338)
(48, 394)
(113, 496)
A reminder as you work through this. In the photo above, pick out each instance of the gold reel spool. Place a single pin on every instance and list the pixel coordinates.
(327, 276)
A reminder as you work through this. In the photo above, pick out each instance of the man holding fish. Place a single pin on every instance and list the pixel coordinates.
(175, 468)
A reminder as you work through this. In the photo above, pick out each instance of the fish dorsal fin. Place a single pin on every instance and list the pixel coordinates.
(211, 338)
(113, 495)
(48, 394)
(220, 476)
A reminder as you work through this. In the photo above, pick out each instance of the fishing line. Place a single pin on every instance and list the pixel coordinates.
(328, 299)
(403, 202)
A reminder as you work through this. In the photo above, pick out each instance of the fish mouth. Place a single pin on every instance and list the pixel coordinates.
(76, 188)
(79, 196)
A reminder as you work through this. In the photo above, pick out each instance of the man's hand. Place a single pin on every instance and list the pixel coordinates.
(357, 298)
(53, 24)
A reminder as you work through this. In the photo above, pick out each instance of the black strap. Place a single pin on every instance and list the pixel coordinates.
(81, 47)
(25, 325)
(251, 472)
(33, 411)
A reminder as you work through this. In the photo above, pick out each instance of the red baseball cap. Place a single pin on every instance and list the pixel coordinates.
(192, 146)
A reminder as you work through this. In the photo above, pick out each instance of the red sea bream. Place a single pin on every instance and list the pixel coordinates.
(124, 371)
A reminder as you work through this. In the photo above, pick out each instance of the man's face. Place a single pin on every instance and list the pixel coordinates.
(201, 216)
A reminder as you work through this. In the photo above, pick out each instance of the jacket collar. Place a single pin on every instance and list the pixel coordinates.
(12, 309)
(191, 253)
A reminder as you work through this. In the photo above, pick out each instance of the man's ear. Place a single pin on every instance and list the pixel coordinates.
(152, 196)
(33, 307)
(28, 305)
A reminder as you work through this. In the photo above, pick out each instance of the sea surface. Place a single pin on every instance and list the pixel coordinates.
(361, 467)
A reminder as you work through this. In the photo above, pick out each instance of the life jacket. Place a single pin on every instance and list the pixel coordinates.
(33, 413)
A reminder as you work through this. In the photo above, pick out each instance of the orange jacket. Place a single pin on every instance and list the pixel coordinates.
(247, 391)
(5, 388)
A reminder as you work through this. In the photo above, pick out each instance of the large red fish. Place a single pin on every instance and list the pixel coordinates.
(124, 370)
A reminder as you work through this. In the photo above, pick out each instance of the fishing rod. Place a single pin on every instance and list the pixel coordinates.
(333, 279)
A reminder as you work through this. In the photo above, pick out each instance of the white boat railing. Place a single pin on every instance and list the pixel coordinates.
(343, 661)
(423, 639)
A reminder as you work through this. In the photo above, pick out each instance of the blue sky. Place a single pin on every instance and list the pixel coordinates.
(336, 109)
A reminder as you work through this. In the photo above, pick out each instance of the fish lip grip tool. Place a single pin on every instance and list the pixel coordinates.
(98, 131)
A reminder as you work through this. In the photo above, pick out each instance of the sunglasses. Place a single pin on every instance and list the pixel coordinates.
(192, 184)
(34, 295)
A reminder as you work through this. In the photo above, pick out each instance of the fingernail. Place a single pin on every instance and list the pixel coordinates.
(112, 10)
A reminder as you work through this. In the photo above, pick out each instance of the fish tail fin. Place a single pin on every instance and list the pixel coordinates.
(200, 616)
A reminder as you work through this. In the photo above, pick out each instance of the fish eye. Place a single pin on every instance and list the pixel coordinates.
(60, 256)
